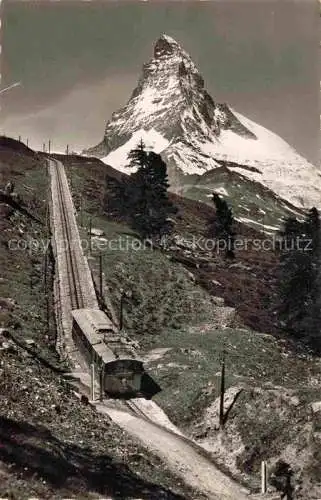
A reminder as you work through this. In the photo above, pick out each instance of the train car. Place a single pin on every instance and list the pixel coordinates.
(117, 370)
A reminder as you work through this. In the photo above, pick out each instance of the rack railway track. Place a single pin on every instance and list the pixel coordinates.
(73, 274)
(80, 296)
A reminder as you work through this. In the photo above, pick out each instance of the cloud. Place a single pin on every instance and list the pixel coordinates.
(77, 119)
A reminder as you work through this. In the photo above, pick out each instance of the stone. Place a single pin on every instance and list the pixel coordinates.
(97, 232)
(316, 406)
(29, 341)
(216, 283)
(218, 301)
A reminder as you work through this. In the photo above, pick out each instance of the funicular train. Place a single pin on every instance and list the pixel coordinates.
(119, 373)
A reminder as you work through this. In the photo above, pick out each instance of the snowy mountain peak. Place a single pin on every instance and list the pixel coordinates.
(170, 98)
(175, 115)
(166, 46)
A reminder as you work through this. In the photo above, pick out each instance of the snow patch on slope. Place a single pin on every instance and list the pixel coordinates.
(188, 159)
(153, 140)
(280, 167)
(263, 227)
(220, 190)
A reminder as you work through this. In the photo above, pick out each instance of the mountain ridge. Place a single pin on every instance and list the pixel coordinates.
(171, 110)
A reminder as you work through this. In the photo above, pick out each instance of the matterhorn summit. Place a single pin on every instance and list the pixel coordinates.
(175, 116)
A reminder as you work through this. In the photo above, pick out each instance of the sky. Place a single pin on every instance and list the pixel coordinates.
(79, 61)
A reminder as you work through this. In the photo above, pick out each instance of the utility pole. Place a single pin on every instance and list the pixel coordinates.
(45, 273)
(102, 383)
(49, 145)
(81, 212)
(122, 297)
(27, 142)
(46, 248)
(263, 477)
(92, 382)
(67, 150)
(101, 275)
(19, 138)
(222, 391)
(48, 313)
(90, 228)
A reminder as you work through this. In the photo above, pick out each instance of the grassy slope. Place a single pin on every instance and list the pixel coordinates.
(169, 310)
(250, 288)
(51, 445)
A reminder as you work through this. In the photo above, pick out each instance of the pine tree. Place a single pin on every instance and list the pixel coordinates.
(299, 279)
(115, 196)
(160, 207)
(138, 157)
(295, 277)
(121, 194)
(312, 323)
(149, 205)
(313, 227)
(221, 227)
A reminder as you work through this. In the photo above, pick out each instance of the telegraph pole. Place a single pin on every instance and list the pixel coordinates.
(67, 150)
(70, 176)
(92, 388)
(121, 310)
(46, 248)
(102, 377)
(222, 391)
(90, 228)
(27, 142)
(101, 275)
(48, 313)
(49, 144)
(81, 212)
(263, 477)
(47, 295)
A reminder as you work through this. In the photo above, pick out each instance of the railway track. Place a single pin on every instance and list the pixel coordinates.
(71, 257)
(73, 274)
(176, 449)
(73, 284)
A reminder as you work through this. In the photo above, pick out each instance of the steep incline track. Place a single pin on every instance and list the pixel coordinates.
(143, 419)
(73, 282)
(76, 293)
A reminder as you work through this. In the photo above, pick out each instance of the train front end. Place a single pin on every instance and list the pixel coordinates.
(123, 378)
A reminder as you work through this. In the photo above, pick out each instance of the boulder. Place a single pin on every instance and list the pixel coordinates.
(218, 301)
(29, 342)
(96, 232)
(316, 406)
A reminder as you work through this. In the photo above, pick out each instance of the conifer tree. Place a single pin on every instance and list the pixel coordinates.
(115, 199)
(138, 157)
(312, 323)
(221, 227)
(299, 279)
(149, 205)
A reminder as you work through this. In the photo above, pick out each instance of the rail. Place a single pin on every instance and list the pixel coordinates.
(76, 294)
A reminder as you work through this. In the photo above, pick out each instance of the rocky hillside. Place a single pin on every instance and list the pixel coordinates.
(51, 445)
(186, 305)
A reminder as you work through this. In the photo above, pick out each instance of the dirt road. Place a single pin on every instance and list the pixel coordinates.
(181, 457)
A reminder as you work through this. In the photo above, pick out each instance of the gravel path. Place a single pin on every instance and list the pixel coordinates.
(197, 471)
